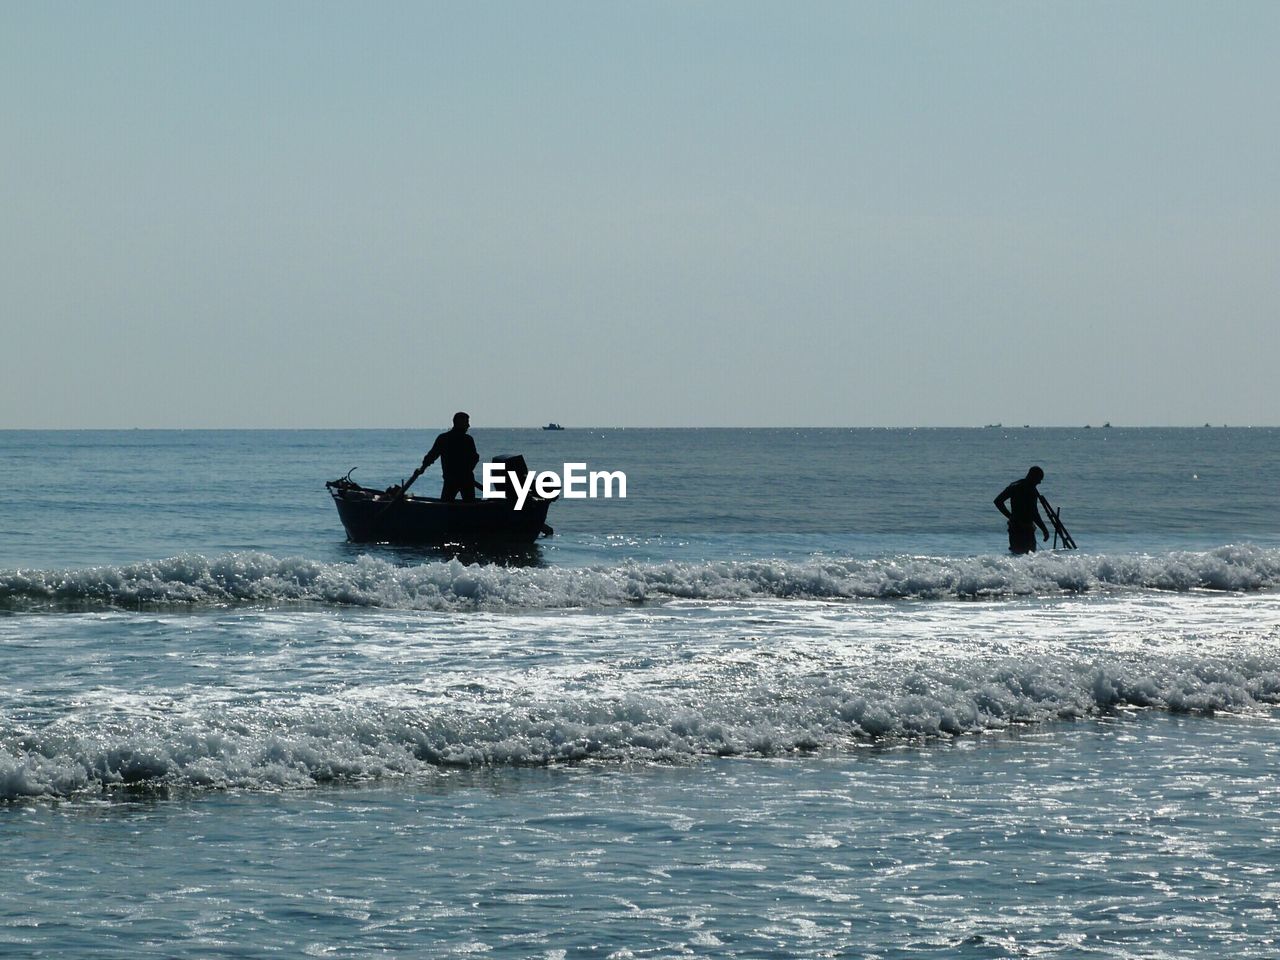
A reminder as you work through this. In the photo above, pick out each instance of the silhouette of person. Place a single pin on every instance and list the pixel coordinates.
(1023, 512)
(456, 452)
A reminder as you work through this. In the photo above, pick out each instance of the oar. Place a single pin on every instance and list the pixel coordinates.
(404, 488)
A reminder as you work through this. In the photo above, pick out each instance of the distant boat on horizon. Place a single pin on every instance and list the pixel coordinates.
(553, 426)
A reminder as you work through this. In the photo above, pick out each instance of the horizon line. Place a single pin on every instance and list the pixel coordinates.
(987, 426)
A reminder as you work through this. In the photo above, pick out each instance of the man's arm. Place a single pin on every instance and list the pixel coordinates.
(475, 457)
(1040, 522)
(1002, 499)
(432, 455)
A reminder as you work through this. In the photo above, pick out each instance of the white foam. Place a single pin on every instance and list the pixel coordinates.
(368, 581)
(120, 739)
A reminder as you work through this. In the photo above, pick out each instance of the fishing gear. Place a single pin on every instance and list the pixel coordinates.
(1058, 529)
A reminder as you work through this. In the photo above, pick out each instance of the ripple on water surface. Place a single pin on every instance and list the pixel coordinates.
(1141, 835)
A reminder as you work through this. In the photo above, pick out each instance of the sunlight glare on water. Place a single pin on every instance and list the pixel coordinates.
(842, 722)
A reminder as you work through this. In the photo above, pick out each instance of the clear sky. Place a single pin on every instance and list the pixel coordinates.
(638, 214)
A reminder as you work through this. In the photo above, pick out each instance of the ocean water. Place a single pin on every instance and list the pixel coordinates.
(790, 698)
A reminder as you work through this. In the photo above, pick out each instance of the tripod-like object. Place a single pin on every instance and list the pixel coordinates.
(1058, 529)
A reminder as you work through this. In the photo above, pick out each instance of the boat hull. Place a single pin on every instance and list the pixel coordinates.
(370, 517)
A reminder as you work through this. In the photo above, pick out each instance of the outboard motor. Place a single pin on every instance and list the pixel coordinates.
(510, 464)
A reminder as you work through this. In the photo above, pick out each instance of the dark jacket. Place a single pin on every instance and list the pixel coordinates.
(456, 452)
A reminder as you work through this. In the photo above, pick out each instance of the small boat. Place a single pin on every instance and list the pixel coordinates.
(375, 516)
(553, 426)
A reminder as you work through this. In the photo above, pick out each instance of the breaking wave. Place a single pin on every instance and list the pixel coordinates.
(388, 732)
(454, 586)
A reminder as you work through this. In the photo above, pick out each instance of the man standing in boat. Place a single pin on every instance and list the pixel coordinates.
(1023, 512)
(456, 452)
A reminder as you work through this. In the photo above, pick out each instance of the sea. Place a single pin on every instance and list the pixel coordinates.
(791, 697)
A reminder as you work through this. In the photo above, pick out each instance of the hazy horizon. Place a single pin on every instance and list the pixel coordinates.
(436, 428)
(724, 214)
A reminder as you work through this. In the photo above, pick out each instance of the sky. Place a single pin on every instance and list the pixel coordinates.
(697, 213)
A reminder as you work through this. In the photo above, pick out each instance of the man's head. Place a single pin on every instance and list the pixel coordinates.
(461, 421)
(1035, 475)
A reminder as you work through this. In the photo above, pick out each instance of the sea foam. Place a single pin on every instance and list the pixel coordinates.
(291, 742)
(451, 585)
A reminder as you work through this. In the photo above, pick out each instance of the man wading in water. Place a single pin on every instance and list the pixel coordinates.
(1024, 516)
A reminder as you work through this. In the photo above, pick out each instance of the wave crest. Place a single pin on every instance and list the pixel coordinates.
(451, 585)
(395, 732)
